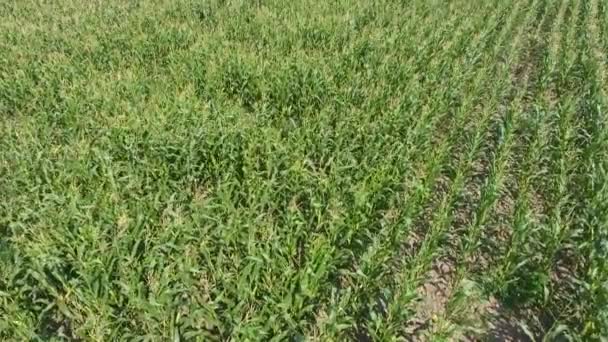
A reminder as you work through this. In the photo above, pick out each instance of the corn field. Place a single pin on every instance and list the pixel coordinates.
(344, 170)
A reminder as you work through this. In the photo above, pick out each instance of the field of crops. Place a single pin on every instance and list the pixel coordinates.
(303, 170)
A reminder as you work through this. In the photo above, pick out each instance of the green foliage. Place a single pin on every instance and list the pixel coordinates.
(300, 170)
